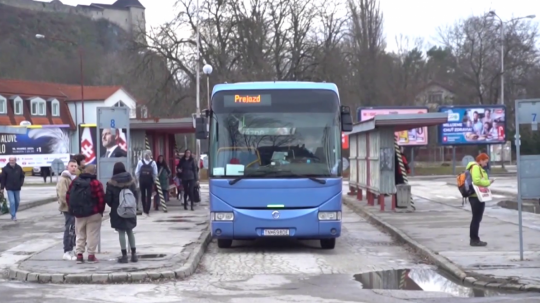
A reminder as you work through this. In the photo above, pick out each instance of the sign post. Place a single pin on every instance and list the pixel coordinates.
(113, 135)
(528, 166)
(57, 166)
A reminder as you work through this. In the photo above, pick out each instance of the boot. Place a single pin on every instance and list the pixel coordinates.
(123, 258)
(478, 243)
(192, 206)
(185, 205)
(134, 257)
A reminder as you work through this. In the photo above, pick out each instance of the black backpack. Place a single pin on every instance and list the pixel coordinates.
(146, 173)
(80, 198)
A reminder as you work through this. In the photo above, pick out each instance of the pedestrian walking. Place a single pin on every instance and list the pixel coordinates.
(164, 174)
(121, 196)
(12, 180)
(45, 172)
(188, 170)
(62, 187)
(146, 172)
(479, 178)
(86, 201)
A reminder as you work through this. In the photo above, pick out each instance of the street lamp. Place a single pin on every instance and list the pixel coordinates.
(207, 70)
(39, 36)
(493, 14)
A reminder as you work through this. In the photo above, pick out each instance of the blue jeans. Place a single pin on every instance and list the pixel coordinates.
(14, 197)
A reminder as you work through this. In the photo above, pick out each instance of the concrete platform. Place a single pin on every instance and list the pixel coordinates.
(169, 246)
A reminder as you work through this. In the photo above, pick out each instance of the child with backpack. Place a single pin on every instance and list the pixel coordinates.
(121, 196)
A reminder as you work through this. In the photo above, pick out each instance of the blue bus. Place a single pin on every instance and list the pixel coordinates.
(275, 161)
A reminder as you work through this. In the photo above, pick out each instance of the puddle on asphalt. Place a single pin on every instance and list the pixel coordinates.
(421, 279)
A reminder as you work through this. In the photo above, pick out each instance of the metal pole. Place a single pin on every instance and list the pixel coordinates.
(518, 155)
(453, 160)
(198, 99)
(208, 89)
(82, 81)
(412, 162)
(502, 84)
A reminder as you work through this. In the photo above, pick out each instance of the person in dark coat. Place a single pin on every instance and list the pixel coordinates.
(188, 170)
(121, 179)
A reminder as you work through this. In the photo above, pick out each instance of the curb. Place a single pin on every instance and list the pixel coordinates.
(33, 204)
(495, 191)
(441, 262)
(188, 269)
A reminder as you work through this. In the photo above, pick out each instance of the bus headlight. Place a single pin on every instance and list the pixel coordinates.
(329, 216)
(222, 216)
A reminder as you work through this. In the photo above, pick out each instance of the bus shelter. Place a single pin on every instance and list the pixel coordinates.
(373, 147)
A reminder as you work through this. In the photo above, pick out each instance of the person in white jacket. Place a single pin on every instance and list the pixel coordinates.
(69, 226)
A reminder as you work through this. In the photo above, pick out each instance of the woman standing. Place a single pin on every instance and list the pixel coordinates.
(479, 178)
(187, 168)
(120, 180)
(163, 175)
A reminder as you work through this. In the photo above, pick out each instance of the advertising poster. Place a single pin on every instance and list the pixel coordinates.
(37, 148)
(112, 145)
(473, 125)
(412, 137)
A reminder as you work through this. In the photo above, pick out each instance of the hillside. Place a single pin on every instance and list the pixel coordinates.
(25, 57)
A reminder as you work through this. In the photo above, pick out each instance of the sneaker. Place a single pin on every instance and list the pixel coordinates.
(80, 259)
(92, 259)
(123, 259)
(68, 256)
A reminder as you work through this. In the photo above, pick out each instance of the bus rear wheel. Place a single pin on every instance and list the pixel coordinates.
(224, 243)
(328, 243)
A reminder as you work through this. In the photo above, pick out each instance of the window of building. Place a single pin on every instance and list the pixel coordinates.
(55, 108)
(3, 105)
(38, 107)
(435, 98)
(144, 112)
(18, 106)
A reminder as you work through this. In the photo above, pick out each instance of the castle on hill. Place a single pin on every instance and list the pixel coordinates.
(128, 14)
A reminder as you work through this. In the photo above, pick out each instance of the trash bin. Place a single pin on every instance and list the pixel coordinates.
(403, 195)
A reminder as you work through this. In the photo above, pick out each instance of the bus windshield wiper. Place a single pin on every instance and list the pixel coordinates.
(320, 181)
(257, 173)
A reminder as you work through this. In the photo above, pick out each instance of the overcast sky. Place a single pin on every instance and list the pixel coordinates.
(412, 18)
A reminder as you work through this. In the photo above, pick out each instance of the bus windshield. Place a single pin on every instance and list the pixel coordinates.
(275, 133)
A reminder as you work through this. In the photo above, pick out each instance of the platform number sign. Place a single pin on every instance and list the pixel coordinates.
(113, 123)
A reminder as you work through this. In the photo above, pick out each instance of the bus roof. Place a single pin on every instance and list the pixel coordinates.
(275, 85)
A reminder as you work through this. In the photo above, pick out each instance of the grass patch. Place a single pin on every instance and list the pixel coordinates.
(447, 170)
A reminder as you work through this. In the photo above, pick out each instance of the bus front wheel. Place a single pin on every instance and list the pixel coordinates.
(224, 243)
(328, 243)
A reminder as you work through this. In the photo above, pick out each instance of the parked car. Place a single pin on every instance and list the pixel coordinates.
(36, 171)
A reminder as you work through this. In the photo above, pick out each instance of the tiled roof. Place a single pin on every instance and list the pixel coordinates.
(61, 91)
(48, 91)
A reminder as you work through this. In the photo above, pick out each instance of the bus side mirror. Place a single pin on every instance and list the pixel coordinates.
(201, 132)
(346, 120)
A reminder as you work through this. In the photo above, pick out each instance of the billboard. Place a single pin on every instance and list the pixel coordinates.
(473, 124)
(412, 137)
(112, 145)
(38, 147)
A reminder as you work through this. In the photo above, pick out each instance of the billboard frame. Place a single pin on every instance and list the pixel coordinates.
(359, 111)
(490, 106)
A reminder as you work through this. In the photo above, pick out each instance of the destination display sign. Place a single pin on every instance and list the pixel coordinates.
(238, 100)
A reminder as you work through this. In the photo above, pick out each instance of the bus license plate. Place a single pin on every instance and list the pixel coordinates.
(275, 232)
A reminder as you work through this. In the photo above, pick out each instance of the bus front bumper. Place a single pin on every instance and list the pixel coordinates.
(271, 223)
